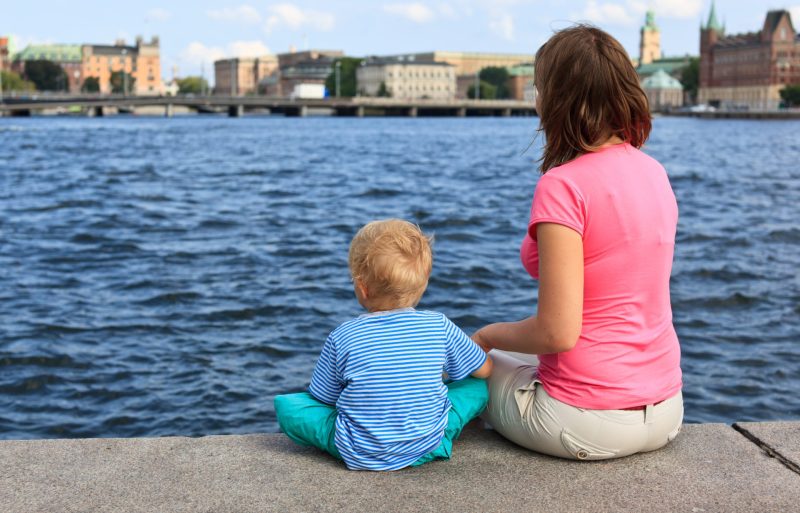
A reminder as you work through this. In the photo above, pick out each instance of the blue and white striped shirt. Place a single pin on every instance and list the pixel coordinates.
(383, 371)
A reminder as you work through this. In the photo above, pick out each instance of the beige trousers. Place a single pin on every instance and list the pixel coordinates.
(521, 410)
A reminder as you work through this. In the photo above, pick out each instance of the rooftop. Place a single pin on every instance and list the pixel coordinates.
(55, 53)
(661, 80)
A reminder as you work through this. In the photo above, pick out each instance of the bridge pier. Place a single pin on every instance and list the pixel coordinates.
(97, 111)
(412, 112)
(169, 110)
(506, 113)
(461, 112)
(235, 111)
(360, 112)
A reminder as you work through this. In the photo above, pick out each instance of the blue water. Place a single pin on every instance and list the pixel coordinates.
(170, 276)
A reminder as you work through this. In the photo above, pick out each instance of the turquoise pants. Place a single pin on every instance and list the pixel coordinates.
(309, 422)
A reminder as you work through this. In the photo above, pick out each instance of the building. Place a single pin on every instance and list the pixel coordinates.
(294, 58)
(5, 53)
(748, 71)
(663, 91)
(469, 64)
(142, 62)
(241, 76)
(649, 40)
(406, 77)
(66, 56)
(520, 83)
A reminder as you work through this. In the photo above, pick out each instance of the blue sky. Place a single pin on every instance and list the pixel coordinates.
(197, 32)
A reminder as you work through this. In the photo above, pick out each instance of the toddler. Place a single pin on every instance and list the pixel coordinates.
(377, 399)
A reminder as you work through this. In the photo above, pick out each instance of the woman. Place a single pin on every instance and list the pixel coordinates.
(607, 382)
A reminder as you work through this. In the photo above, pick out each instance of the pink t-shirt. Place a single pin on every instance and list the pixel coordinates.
(620, 201)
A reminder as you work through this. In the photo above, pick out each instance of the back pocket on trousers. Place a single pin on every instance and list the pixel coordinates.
(583, 450)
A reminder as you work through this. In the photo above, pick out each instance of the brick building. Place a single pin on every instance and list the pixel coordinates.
(241, 75)
(66, 56)
(748, 70)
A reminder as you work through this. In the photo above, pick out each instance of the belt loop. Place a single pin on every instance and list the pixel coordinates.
(648, 414)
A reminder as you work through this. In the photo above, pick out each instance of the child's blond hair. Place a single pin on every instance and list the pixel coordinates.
(392, 258)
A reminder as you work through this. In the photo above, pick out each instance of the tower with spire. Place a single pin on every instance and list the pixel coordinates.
(649, 40)
(710, 33)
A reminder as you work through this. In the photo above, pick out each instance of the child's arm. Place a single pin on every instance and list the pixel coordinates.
(326, 385)
(486, 369)
(464, 357)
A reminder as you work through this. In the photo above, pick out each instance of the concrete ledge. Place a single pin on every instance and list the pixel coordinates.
(709, 467)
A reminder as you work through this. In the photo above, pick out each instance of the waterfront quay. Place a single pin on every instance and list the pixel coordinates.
(236, 106)
(744, 467)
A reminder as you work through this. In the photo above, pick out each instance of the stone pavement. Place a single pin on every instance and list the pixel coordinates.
(708, 468)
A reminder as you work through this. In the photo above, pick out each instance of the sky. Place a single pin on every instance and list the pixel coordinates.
(195, 33)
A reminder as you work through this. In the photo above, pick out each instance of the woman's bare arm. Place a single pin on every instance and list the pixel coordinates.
(557, 325)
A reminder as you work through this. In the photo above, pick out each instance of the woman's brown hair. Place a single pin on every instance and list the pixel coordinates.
(588, 91)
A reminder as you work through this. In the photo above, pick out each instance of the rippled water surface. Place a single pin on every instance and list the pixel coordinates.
(170, 276)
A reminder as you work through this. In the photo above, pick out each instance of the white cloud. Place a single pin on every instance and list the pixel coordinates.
(503, 26)
(157, 14)
(293, 17)
(197, 53)
(244, 13)
(247, 49)
(611, 13)
(447, 11)
(416, 12)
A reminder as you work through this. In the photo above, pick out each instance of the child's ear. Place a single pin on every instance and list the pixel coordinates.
(362, 289)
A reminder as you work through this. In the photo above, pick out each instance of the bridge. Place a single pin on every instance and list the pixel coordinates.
(236, 106)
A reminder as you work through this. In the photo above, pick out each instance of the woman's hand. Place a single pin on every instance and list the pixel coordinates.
(479, 337)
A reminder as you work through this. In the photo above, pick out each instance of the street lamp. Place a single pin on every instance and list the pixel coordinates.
(338, 78)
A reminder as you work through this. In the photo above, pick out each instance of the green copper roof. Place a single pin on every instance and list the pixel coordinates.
(661, 80)
(669, 65)
(650, 21)
(55, 53)
(713, 23)
(524, 70)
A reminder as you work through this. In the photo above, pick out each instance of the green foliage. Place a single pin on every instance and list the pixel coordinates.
(487, 91)
(119, 84)
(347, 77)
(46, 75)
(14, 82)
(498, 77)
(192, 85)
(91, 85)
(791, 95)
(383, 92)
(690, 77)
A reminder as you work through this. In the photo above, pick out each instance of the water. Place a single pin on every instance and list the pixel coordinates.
(170, 276)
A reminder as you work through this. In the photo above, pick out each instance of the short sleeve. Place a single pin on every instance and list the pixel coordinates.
(326, 384)
(463, 355)
(557, 200)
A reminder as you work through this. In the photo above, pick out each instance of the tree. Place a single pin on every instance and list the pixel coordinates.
(119, 83)
(383, 91)
(91, 85)
(192, 85)
(347, 77)
(13, 82)
(498, 77)
(690, 77)
(791, 95)
(487, 91)
(47, 75)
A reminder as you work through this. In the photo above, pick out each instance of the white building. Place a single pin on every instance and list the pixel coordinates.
(663, 91)
(406, 77)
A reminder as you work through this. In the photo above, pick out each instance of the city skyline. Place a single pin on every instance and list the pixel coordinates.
(194, 35)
